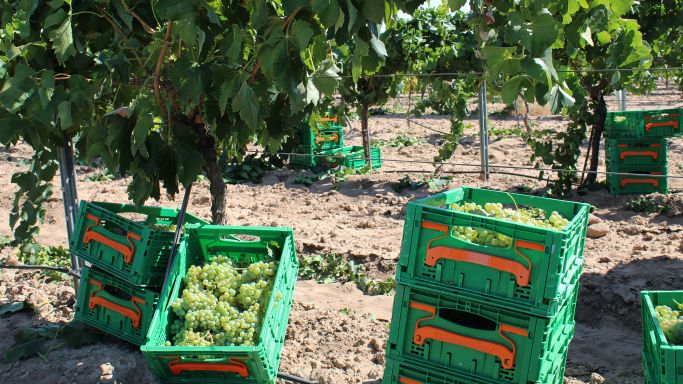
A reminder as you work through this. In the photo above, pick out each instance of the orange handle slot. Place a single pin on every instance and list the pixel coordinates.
(625, 182)
(334, 137)
(332, 119)
(405, 380)
(672, 123)
(652, 154)
(234, 366)
(504, 353)
(133, 315)
(125, 250)
(521, 272)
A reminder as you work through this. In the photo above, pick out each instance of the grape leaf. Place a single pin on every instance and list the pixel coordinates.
(143, 124)
(64, 115)
(374, 10)
(11, 308)
(62, 41)
(328, 11)
(246, 104)
(24, 350)
(378, 47)
(302, 33)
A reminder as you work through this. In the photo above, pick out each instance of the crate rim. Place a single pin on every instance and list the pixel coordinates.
(462, 215)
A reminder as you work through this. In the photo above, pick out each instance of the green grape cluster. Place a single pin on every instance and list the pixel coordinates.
(482, 236)
(531, 216)
(671, 322)
(222, 304)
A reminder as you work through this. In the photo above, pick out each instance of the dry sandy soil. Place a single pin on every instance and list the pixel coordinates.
(336, 333)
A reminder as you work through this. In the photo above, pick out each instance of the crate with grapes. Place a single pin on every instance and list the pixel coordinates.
(524, 252)
(223, 313)
(662, 336)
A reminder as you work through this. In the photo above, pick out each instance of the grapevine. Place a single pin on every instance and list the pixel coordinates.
(671, 322)
(223, 304)
(530, 216)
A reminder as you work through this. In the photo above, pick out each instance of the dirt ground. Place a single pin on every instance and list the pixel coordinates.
(336, 334)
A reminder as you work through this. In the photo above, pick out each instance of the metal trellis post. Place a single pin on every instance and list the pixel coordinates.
(67, 175)
(621, 99)
(178, 230)
(483, 132)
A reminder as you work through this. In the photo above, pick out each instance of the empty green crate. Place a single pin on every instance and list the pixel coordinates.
(651, 124)
(226, 364)
(637, 180)
(127, 247)
(351, 157)
(665, 360)
(406, 370)
(536, 274)
(636, 152)
(478, 339)
(115, 306)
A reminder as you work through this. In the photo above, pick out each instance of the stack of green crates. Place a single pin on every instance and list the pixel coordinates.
(636, 145)
(471, 314)
(128, 248)
(328, 135)
(662, 361)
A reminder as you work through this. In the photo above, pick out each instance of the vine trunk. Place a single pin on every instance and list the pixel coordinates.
(598, 127)
(213, 173)
(365, 132)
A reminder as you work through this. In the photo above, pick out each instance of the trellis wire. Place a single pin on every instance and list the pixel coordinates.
(456, 74)
(517, 167)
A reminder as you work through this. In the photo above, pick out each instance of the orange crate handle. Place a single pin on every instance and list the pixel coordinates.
(125, 250)
(234, 366)
(133, 315)
(653, 182)
(625, 154)
(405, 380)
(521, 272)
(334, 137)
(673, 123)
(503, 352)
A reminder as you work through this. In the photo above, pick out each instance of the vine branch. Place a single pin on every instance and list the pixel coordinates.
(122, 35)
(146, 26)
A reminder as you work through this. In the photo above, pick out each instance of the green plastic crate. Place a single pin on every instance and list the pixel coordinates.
(640, 180)
(649, 373)
(115, 306)
(536, 275)
(479, 339)
(324, 137)
(226, 364)
(636, 152)
(665, 360)
(132, 250)
(406, 370)
(351, 157)
(650, 124)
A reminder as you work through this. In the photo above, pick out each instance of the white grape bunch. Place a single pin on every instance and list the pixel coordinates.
(531, 216)
(671, 322)
(222, 304)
